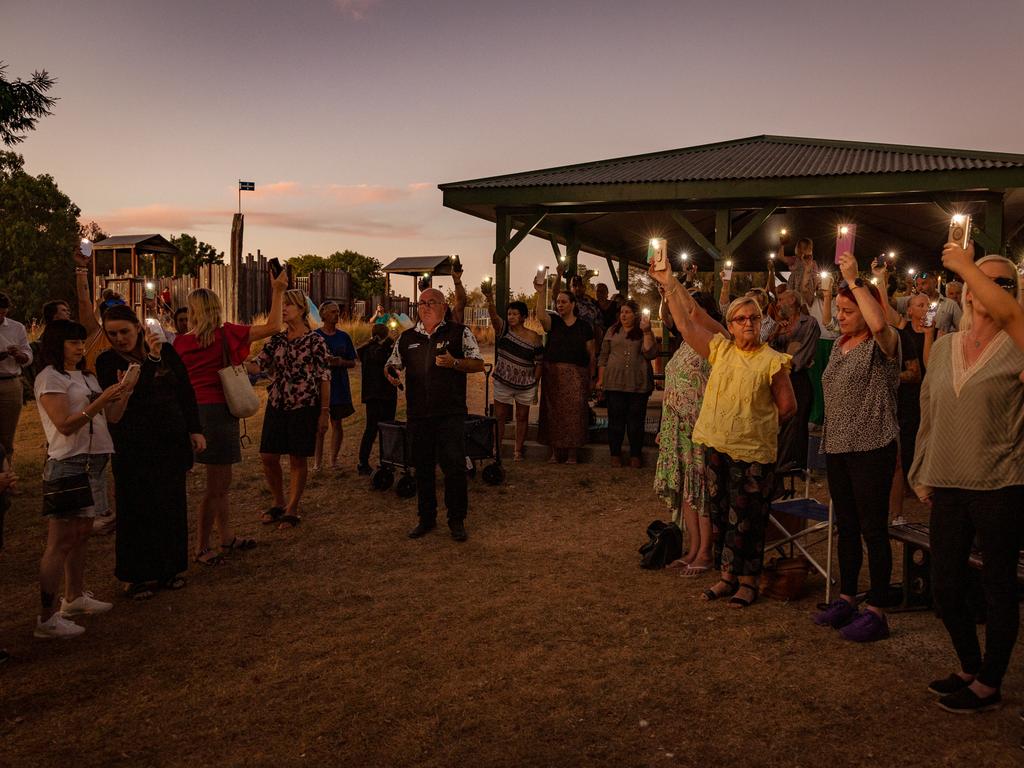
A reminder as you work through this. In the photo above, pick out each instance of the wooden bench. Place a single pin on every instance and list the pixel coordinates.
(917, 565)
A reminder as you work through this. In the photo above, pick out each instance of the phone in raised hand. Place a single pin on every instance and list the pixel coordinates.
(929, 316)
(845, 237)
(657, 254)
(960, 230)
(153, 325)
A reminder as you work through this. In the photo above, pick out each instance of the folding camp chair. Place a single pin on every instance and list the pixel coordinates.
(812, 510)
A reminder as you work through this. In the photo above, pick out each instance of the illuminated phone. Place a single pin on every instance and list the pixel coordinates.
(657, 254)
(960, 230)
(929, 316)
(845, 236)
(86, 248)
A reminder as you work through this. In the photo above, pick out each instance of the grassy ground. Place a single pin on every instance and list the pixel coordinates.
(537, 643)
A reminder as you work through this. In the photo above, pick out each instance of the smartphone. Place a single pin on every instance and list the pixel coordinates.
(274, 265)
(394, 372)
(131, 376)
(783, 237)
(86, 248)
(727, 272)
(154, 326)
(960, 230)
(845, 236)
(456, 264)
(929, 316)
(657, 254)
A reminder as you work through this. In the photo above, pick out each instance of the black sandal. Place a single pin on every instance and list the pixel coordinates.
(216, 558)
(272, 515)
(711, 594)
(739, 602)
(142, 590)
(173, 583)
(238, 544)
(288, 521)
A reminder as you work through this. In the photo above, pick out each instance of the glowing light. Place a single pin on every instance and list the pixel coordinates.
(824, 275)
(874, 281)
(393, 324)
(783, 232)
(892, 254)
(647, 312)
(911, 271)
(655, 242)
(540, 267)
(728, 265)
(933, 305)
(771, 255)
(685, 256)
(426, 274)
(150, 286)
(844, 231)
(958, 218)
(563, 259)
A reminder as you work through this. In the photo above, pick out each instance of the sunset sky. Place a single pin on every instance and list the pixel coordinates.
(348, 113)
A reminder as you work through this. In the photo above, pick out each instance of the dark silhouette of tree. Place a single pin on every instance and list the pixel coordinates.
(22, 104)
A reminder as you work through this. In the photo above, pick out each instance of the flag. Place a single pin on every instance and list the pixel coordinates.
(246, 186)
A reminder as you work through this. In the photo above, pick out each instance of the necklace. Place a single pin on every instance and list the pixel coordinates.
(978, 342)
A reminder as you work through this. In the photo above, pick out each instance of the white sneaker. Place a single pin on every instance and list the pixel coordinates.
(57, 626)
(83, 605)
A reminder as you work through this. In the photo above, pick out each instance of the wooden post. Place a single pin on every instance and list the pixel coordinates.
(994, 226)
(237, 231)
(135, 262)
(503, 226)
(722, 225)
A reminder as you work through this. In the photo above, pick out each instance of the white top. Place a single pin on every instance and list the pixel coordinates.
(12, 334)
(78, 387)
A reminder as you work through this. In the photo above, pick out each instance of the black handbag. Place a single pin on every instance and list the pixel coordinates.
(65, 495)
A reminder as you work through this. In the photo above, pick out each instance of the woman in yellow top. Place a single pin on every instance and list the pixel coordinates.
(748, 394)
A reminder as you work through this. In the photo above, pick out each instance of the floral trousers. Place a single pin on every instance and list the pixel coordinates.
(740, 494)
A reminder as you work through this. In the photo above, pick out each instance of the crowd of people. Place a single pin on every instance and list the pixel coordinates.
(918, 391)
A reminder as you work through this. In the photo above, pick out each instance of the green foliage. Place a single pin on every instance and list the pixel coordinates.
(194, 254)
(22, 104)
(364, 271)
(92, 231)
(38, 234)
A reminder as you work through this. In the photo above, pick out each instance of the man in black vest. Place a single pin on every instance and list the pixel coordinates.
(436, 356)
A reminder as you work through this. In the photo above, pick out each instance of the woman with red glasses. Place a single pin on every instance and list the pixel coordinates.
(748, 394)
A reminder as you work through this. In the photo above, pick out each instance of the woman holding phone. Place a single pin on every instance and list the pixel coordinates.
(969, 467)
(156, 430)
(72, 411)
(203, 350)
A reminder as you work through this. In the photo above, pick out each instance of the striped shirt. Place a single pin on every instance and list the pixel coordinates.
(515, 361)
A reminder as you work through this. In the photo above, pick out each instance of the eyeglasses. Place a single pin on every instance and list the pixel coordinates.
(430, 303)
(746, 319)
(1008, 284)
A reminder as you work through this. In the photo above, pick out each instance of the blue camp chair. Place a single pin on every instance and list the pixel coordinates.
(819, 514)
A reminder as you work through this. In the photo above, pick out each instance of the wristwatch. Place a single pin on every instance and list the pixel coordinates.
(859, 283)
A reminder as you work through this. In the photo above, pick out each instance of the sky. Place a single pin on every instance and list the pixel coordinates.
(348, 113)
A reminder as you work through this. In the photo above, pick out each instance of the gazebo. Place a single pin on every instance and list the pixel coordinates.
(729, 200)
(418, 267)
(136, 246)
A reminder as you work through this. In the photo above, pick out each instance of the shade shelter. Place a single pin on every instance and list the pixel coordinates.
(418, 267)
(134, 246)
(729, 200)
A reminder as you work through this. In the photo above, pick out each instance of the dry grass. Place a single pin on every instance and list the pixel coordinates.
(538, 643)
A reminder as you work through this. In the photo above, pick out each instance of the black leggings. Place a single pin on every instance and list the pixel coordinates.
(627, 412)
(859, 484)
(994, 516)
(376, 412)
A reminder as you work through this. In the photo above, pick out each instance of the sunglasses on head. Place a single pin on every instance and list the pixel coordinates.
(924, 275)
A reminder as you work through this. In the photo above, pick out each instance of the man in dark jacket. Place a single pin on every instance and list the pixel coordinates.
(436, 356)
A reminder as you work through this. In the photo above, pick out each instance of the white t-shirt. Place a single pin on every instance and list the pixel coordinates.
(78, 387)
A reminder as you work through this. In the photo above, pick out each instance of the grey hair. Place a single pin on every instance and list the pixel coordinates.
(737, 304)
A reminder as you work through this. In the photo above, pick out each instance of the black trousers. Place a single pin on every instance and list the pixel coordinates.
(994, 517)
(793, 435)
(376, 412)
(627, 412)
(440, 440)
(859, 483)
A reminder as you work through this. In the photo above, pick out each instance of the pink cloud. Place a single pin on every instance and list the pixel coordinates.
(275, 189)
(355, 9)
(365, 194)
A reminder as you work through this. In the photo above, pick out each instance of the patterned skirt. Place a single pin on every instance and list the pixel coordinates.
(564, 413)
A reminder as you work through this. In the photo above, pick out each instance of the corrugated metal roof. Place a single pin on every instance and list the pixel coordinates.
(757, 157)
(412, 265)
(125, 240)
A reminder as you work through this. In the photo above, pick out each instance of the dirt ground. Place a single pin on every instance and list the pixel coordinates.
(540, 642)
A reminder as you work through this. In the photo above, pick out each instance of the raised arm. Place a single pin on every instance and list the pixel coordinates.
(885, 335)
(459, 305)
(1000, 305)
(540, 283)
(487, 289)
(86, 310)
(272, 324)
(685, 312)
(880, 271)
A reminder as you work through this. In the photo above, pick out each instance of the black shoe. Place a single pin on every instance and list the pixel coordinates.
(364, 469)
(948, 685)
(421, 529)
(458, 531)
(967, 702)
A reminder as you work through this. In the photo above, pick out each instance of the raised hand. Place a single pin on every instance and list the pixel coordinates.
(848, 267)
(956, 258)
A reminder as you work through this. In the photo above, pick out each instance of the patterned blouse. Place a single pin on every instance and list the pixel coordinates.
(515, 361)
(860, 398)
(297, 367)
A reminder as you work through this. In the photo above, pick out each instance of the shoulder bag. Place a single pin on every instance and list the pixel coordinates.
(241, 398)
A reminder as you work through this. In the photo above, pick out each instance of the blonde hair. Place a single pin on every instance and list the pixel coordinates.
(742, 301)
(967, 319)
(297, 298)
(205, 315)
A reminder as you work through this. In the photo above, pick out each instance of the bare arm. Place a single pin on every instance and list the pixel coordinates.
(685, 313)
(874, 315)
(58, 409)
(723, 295)
(912, 373)
(273, 321)
(86, 310)
(881, 274)
(1001, 305)
(541, 302)
(496, 322)
(783, 395)
(929, 339)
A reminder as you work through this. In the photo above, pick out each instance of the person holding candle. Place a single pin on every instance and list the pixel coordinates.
(748, 394)
(624, 377)
(969, 467)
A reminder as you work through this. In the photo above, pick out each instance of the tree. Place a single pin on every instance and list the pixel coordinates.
(306, 263)
(38, 233)
(194, 254)
(92, 232)
(22, 104)
(365, 272)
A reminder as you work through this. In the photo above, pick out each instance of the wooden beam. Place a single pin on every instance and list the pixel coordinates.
(555, 248)
(752, 226)
(623, 282)
(501, 262)
(526, 229)
(698, 236)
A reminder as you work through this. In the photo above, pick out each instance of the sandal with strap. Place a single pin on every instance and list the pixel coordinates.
(729, 591)
(209, 557)
(241, 545)
(142, 590)
(272, 515)
(739, 602)
(288, 521)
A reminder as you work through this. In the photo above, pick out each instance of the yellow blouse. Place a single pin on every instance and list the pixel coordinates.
(739, 417)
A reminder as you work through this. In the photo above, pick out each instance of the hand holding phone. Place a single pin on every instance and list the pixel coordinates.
(960, 230)
(392, 373)
(657, 254)
(929, 316)
(846, 235)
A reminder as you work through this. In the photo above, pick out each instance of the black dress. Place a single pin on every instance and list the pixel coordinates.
(152, 454)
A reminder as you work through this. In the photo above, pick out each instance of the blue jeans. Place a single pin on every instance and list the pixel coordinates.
(54, 469)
